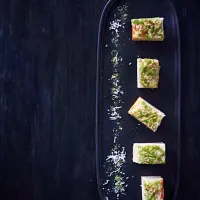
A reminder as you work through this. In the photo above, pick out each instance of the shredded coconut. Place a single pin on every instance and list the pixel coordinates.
(115, 25)
(115, 161)
(106, 182)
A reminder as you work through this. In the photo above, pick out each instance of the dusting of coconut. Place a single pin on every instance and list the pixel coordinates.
(115, 25)
(116, 182)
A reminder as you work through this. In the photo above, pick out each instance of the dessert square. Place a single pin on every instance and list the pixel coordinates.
(149, 153)
(146, 114)
(147, 73)
(152, 188)
(148, 29)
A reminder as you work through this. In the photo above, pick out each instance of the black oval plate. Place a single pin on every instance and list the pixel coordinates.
(115, 129)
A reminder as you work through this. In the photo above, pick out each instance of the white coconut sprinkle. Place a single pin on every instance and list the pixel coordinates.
(117, 158)
(115, 25)
(106, 182)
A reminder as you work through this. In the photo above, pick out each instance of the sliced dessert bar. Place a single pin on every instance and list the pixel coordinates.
(146, 114)
(147, 73)
(149, 153)
(152, 188)
(147, 29)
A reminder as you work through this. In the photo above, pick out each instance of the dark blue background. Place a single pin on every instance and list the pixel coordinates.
(47, 98)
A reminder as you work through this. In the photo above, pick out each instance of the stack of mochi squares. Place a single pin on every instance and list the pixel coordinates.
(148, 69)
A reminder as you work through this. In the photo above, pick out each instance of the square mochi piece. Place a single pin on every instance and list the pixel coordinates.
(147, 29)
(147, 73)
(149, 153)
(152, 188)
(146, 114)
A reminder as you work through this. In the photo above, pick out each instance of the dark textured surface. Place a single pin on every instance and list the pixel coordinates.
(47, 97)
